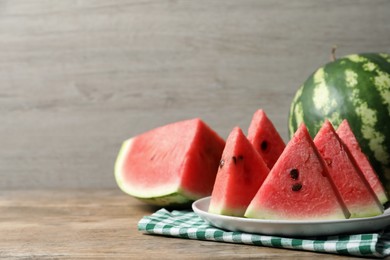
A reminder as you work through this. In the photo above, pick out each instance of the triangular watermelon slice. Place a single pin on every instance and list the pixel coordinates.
(346, 135)
(171, 165)
(264, 137)
(298, 187)
(356, 192)
(241, 172)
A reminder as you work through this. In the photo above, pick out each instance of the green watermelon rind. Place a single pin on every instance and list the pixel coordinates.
(163, 196)
(119, 161)
(310, 107)
(172, 200)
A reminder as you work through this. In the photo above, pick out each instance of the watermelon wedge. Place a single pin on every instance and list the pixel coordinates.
(171, 165)
(241, 172)
(298, 187)
(264, 137)
(346, 135)
(356, 192)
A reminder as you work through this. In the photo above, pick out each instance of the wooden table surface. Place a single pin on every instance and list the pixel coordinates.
(95, 224)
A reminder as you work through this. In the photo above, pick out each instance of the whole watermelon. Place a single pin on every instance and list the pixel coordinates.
(356, 88)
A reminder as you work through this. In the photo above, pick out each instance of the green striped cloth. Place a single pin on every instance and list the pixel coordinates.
(186, 224)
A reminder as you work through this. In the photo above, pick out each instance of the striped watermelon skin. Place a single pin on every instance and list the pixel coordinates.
(356, 88)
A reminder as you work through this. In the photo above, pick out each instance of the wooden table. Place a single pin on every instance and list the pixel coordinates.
(95, 224)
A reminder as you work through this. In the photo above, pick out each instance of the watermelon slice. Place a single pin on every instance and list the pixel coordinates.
(172, 165)
(356, 192)
(240, 174)
(346, 135)
(264, 137)
(298, 187)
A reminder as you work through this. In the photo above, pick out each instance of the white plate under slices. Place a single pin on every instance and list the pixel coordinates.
(292, 228)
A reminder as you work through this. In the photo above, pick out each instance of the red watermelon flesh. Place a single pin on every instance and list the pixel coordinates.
(346, 135)
(264, 137)
(171, 165)
(356, 192)
(298, 187)
(241, 172)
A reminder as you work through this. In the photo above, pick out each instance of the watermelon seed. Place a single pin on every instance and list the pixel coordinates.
(264, 145)
(221, 163)
(294, 173)
(240, 157)
(296, 186)
(234, 159)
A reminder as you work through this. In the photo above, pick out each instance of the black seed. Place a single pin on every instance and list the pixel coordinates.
(294, 173)
(264, 145)
(221, 163)
(296, 186)
(234, 159)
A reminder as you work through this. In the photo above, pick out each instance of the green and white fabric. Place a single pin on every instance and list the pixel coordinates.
(186, 224)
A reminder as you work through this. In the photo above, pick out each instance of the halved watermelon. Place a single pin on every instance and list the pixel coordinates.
(240, 174)
(356, 192)
(171, 165)
(298, 187)
(264, 137)
(346, 135)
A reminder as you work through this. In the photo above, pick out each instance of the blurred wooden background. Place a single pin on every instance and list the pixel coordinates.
(79, 77)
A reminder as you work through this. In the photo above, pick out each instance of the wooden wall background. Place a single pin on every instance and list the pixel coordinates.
(79, 77)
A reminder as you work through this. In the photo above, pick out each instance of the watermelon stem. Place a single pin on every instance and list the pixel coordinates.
(333, 53)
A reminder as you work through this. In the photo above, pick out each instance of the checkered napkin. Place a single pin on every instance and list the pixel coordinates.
(186, 224)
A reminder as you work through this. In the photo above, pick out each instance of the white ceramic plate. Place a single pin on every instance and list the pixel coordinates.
(291, 228)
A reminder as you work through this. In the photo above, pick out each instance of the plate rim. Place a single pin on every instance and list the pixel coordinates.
(202, 214)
